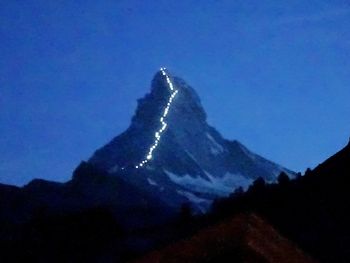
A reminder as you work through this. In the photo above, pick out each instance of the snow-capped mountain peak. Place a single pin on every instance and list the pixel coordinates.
(169, 149)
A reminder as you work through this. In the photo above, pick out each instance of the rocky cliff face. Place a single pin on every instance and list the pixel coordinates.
(170, 150)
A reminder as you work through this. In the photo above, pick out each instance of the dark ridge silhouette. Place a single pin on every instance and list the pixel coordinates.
(312, 210)
(89, 187)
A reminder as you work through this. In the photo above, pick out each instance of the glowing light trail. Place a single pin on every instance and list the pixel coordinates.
(158, 134)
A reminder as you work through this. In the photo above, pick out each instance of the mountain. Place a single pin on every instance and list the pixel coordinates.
(170, 151)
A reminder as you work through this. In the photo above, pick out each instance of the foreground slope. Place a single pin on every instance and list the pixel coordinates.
(312, 210)
(244, 238)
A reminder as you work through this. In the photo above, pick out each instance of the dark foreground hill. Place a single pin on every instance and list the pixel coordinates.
(244, 238)
(313, 210)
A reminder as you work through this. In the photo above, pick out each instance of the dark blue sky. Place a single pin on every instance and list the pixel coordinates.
(272, 74)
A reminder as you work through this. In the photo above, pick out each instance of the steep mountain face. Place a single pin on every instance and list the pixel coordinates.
(171, 151)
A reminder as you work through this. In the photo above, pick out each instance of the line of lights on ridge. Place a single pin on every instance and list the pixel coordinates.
(158, 134)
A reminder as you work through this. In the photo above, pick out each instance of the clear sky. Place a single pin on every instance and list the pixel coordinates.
(273, 74)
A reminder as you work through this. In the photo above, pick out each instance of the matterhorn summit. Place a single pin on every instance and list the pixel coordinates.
(170, 151)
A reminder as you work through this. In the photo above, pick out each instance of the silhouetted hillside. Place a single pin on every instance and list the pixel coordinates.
(313, 210)
(89, 188)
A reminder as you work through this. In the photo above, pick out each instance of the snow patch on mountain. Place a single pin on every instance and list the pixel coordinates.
(191, 156)
(215, 148)
(230, 181)
(202, 203)
(222, 186)
(151, 182)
